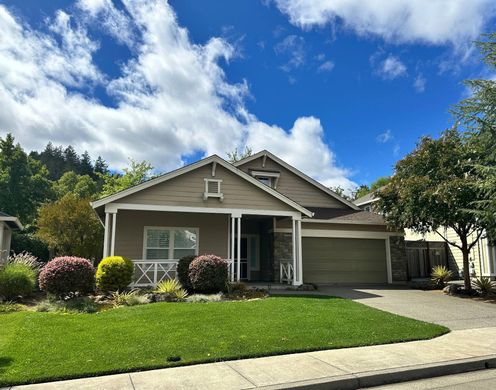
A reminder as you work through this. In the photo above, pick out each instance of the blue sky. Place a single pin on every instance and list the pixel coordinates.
(340, 89)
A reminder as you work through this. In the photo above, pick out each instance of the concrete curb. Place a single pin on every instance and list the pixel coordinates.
(394, 375)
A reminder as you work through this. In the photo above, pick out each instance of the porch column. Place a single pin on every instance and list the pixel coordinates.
(293, 236)
(112, 243)
(2, 227)
(231, 254)
(238, 254)
(106, 233)
(300, 257)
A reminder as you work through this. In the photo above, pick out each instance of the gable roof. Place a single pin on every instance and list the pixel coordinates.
(180, 171)
(297, 172)
(13, 222)
(366, 199)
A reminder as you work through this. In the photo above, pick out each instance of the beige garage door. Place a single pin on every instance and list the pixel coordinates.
(344, 260)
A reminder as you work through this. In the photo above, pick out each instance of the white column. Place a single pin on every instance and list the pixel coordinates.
(300, 257)
(2, 227)
(293, 236)
(112, 243)
(233, 222)
(106, 235)
(238, 254)
(388, 261)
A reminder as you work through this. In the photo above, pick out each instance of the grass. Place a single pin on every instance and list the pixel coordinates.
(38, 347)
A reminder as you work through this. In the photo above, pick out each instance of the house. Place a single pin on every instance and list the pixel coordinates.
(270, 221)
(8, 223)
(431, 249)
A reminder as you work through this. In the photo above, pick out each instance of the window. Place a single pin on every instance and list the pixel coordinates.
(169, 243)
(212, 189)
(270, 179)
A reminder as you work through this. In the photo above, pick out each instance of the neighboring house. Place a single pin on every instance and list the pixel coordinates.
(270, 221)
(7, 225)
(430, 249)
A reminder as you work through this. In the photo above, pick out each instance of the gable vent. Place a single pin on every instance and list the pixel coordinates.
(213, 189)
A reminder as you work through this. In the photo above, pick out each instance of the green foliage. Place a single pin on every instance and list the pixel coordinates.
(73, 305)
(435, 186)
(129, 298)
(114, 273)
(183, 271)
(484, 285)
(70, 225)
(26, 241)
(208, 274)
(81, 186)
(341, 192)
(17, 280)
(171, 287)
(234, 156)
(10, 307)
(234, 287)
(24, 183)
(136, 173)
(360, 191)
(440, 275)
(376, 185)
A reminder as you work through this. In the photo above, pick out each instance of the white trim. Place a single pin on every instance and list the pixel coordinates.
(373, 200)
(2, 228)
(113, 207)
(233, 233)
(389, 267)
(238, 250)
(265, 173)
(106, 235)
(207, 194)
(344, 222)
(265, 154)
(191, 167)
(171, 247)
(12, 219)
(341, 233)
(214, 166)
(112, 243)
(293, 247)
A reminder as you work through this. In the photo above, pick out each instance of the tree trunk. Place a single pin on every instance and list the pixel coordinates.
(466, 266)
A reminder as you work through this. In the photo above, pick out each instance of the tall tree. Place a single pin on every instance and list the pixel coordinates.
(85, 165)
(81, 186)
(24, 183)
(136, 173)
(433, 187)
(70, 227)
(478, 115)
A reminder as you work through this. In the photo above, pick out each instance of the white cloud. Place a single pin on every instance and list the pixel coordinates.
(171, 98)
(326, 66)
(438, 22)
(304, 139)
(384, 137)
(390, 68)
(294, 47)
(419, 83)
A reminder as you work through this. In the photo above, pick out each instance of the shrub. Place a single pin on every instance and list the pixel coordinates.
(67, 276)
(27, 242)
(208, 274)
(484, 285)
(114, 273)
(129, 298)
(235, 287)
(17, 279)
(440, 276)
(183, 271)
(27, 259)
(10, 307)
(172, 288)
(73, 305)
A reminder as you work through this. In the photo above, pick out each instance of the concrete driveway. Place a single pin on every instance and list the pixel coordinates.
(431, 306)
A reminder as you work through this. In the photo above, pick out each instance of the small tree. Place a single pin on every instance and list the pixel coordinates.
(70, 227)
(236, 156)
(136, 173)
(433, 187)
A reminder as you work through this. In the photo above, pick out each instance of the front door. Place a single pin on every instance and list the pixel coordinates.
(250, 260)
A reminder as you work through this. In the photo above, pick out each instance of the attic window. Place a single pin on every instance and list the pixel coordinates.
(270, 179)
(213, 189)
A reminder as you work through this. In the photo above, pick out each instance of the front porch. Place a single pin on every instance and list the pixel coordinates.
(156, 239)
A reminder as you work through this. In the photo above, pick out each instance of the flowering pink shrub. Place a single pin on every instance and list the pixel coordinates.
(208, 274)
(67, 276)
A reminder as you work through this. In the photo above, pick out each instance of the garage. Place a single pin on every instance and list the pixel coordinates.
(344, 260)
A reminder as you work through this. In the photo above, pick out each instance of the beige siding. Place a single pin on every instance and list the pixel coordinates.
(188, 189)
(286, 223)
(294, 187)
(344, 260)
(213, 230)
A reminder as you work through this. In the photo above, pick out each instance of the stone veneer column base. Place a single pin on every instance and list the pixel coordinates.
(283, 251)
(398, 259)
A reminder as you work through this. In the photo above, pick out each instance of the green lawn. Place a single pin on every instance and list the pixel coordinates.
(45, 346)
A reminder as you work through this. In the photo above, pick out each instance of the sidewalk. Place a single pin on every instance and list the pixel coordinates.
(351, 368)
